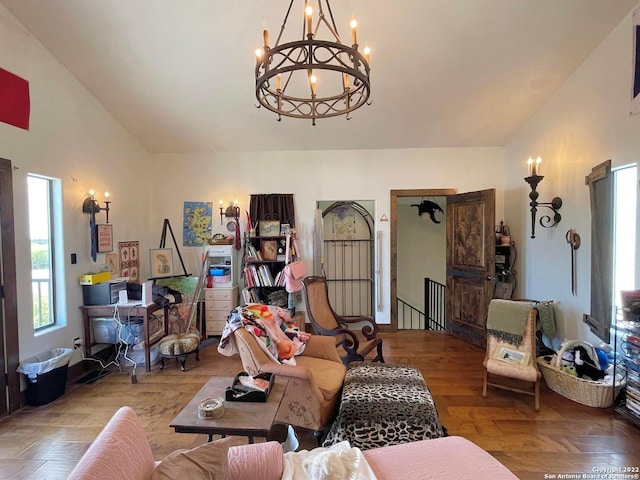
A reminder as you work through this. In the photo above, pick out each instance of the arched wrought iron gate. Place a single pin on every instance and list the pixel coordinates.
(348, 258)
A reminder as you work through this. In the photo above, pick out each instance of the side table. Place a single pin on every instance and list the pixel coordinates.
(144, 311)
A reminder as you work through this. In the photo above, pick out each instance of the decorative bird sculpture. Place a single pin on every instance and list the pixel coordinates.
(428, 207)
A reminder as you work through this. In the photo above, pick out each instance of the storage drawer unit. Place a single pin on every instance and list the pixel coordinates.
(218, 303)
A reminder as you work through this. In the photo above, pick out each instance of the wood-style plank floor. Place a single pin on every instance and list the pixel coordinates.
(565, 437)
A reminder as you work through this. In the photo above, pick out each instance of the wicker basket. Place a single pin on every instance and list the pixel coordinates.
(586, 392)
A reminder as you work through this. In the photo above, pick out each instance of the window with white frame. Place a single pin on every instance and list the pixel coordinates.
(43, 235)
(625, 230)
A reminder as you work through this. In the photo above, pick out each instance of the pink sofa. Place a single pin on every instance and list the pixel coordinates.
(122, 452)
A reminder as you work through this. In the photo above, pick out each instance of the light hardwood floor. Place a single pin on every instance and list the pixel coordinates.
(564, 437)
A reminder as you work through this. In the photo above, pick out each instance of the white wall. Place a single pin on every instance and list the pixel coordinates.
(73, 138)
(585, 123)
(421, 251)
(314, 176)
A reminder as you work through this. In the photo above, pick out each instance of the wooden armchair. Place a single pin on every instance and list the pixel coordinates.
(315, 381)
(504, 359)
(352, 344)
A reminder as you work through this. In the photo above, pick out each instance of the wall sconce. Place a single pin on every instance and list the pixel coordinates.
(91, 205)
(232, 211)
(533, 180)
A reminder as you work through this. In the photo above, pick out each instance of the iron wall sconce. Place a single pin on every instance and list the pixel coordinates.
(91, 205)
(533, 180)
(232, 211)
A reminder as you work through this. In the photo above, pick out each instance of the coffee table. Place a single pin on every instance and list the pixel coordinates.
(246, 419)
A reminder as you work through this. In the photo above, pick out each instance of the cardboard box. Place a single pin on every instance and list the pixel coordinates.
(93, 278)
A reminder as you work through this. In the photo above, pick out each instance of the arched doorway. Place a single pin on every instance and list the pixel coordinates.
(347, 259)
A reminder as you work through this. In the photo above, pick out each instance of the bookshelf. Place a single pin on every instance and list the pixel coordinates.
(627, 329)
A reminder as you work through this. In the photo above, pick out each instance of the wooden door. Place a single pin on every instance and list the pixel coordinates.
(9, 354)
(470, 263)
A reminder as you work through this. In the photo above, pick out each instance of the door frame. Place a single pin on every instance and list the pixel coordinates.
(9, 350)
(393, 213)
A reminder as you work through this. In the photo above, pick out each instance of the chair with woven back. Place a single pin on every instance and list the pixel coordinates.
(353, 343)
(511, 348)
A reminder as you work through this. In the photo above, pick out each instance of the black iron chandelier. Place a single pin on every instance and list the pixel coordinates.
(312, 78)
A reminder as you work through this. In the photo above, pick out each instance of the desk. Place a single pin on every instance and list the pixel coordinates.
(125, 311)
(247, 419)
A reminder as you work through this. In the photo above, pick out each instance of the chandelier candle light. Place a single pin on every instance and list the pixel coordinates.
(341, 84)
(533, 180)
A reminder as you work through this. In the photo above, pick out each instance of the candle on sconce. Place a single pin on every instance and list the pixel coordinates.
(354, 37)
(265, 36)
(529, 167)
(279, 81)
(346, 81)
(535, 166)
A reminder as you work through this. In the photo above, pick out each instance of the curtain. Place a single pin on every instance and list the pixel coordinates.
(272, 206)
(600, 183)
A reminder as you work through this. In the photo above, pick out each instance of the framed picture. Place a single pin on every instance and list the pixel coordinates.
(161, 261)
(511, 355)
(269, 228)
(284, 229)
(129, 260)
(112, 263)
(105, 237)
(269, 250)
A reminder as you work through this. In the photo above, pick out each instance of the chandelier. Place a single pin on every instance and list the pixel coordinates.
(312, 78)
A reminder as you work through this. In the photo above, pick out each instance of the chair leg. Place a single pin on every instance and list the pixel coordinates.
(537, 395)
(379, 357)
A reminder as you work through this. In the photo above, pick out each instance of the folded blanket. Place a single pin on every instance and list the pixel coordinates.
(507, 319)
(547, 319)
(340, 461)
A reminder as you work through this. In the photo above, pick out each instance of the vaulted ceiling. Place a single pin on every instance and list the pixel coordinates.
(179, 75)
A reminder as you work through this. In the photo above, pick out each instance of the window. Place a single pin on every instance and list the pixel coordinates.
(42, 220)
(625, 228)
(614, 242)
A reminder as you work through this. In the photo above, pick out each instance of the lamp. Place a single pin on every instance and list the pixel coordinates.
(313, 78)
(533, 180)
(232, 211)
(91, 205)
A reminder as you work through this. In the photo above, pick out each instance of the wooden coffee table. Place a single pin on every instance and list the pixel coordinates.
(246, 419)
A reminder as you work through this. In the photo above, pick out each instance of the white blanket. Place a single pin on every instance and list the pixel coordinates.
(338, 462)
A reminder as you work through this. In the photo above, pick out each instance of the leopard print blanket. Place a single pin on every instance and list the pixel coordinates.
(384, 404)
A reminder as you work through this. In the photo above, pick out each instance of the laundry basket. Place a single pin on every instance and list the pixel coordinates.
(586, 392)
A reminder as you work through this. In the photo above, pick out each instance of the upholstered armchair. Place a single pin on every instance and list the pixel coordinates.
(355, 337)
(315, 382)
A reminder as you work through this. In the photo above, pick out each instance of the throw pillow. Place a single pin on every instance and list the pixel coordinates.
(206, 462)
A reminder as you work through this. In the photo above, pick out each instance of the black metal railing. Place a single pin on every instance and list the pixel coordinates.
(434, 301)
(409, 317)
(412, 318)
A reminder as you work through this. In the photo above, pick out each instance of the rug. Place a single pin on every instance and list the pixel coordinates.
(384, 404)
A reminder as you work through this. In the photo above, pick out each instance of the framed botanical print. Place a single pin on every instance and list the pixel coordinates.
(161, 261)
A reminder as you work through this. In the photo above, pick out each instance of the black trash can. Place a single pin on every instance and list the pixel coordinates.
(46, 375)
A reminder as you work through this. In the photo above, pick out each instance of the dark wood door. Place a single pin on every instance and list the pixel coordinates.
(470, 263)
(9, 354)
